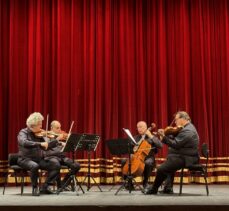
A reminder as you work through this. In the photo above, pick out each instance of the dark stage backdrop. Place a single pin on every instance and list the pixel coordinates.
(108, 64)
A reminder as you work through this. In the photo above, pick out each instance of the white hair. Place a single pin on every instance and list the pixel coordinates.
(34, 119)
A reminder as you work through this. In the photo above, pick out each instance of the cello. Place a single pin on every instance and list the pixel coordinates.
(137, 159)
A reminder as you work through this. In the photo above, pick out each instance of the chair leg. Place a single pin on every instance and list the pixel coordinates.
(15, 177)
(181, 181)
(5, 182)
(206, 182)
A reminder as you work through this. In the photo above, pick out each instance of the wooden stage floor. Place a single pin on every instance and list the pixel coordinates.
(193, 197)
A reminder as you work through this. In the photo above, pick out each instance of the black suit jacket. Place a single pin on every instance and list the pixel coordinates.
(185, 145)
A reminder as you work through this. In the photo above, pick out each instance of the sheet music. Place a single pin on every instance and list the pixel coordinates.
(128, 133)
(97, 143)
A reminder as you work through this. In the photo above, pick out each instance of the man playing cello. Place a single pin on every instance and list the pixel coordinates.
(145, 134)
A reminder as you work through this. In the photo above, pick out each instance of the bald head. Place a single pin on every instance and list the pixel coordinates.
(141, 127)
(55, 126)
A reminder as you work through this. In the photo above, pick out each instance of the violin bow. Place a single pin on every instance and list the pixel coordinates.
(47, 124)
(70, 130)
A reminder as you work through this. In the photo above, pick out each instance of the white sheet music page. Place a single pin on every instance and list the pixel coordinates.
(128, 133)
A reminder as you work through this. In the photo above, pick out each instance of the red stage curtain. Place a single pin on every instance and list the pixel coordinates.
(108, 63)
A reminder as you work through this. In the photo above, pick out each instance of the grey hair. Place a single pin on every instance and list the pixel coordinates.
(184, 115)
(34, 119)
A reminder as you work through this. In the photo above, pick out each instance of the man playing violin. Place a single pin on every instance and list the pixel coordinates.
(56, 155)
(183, 152)
(31, 154)
(145, 134)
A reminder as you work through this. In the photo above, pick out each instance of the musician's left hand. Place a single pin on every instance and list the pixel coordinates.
(149, 134)
(60, 137)
(161, 133)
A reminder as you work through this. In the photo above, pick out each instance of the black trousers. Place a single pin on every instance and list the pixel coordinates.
(34, 165)
(167, 170)
(74, 166)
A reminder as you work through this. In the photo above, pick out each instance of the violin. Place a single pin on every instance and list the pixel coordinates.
(172, 130)
(50, 134)
(43, 133)
(169, 130)
(65, 135)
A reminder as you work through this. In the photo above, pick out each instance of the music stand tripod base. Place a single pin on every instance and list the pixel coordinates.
(120, 147)
(70, 146)
(73, 179)
(89, 143)
(131, 184)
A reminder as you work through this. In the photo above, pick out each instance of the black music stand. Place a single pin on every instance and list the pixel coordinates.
(129, 180)
(71, 144)
(117, 147)
(89, 143)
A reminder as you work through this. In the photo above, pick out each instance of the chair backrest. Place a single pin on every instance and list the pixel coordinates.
(205, 150)
(205, 153)
(12, 159)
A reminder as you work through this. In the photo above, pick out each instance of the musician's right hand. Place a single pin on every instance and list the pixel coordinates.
(44, 145)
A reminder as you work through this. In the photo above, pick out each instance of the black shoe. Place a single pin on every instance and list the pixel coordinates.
(59, 190)
(146, 185)
(167, 191)
(150, 190)
(45, 191)
(145, 188)
(36, 191)
(62, 189)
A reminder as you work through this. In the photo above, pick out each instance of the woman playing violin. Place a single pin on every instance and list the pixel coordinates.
(183, 150)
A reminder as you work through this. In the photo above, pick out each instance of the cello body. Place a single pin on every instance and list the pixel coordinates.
(138, 159)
